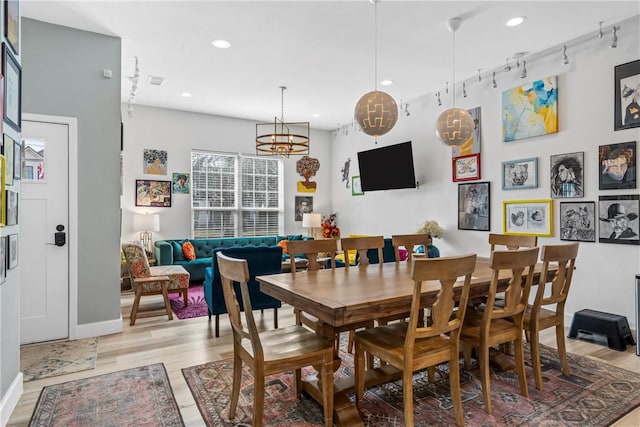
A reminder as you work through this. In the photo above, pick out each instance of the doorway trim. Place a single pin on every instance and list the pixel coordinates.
(72, 126)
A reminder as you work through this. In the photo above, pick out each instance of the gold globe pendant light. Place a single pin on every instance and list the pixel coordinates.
(454, 126)
(376, 112)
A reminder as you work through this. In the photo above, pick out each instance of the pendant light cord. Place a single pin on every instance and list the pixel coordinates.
(375, 45)
(282, 88)
(453, 89)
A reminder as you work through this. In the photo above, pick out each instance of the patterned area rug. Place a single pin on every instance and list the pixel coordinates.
(57, 358)
(135, 397)
(595, 394)
(197, 305)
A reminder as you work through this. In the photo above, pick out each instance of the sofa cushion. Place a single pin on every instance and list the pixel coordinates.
(188, 251)
(178, 255)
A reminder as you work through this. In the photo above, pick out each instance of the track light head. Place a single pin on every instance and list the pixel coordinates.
(565, 58)
(614, 40)
(494, 84)
(523, 73)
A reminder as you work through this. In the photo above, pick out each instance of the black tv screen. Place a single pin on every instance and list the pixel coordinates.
(387, 168)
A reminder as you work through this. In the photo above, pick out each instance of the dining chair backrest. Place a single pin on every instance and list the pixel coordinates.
(136, 260)
(237, 270)
(311, 248)
(409, 241)
(520, 266)
(565, 256)
(512, 241)
(362, 245)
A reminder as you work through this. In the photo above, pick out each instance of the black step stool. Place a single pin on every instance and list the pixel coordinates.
(613, 326)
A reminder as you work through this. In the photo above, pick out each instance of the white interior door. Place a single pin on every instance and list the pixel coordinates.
(44, 286)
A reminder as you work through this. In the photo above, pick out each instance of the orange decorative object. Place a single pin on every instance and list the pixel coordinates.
(188, 250)
(283, 245)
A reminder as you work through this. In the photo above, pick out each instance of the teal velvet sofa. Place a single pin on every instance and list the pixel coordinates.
(169, 252)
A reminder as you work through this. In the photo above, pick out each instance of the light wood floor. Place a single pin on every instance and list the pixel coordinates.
(182, 343)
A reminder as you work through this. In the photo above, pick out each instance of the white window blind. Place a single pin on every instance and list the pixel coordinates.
(236, 195)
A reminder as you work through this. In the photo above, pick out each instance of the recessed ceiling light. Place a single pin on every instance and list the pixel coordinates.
(221, 44)
(386, 82)
(515, 21)
(315, 115)
(186, 94)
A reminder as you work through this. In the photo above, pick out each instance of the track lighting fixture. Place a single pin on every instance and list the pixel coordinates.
(523, 73)
(464, 90)
(494, 84)
(446, 87)
(438, 97)
(404, 107)
(507, 67)
(600, 35)
(479, 76)
(614, 40)
(565, 58)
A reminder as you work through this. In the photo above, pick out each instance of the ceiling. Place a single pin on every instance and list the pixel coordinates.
(323, 51)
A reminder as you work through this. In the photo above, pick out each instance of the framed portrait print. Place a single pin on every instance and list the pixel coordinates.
(528, 217)
(9, 154)
(356, 187)
(153, 193)
(578, 221)
(12, 104)
(474, 206)
(619, 219)
(627, 96)
(12, 251)
(466, 168)
(12, 208)
(617, 166)
(567, 175)
(304, 204)
(155, 162)
(12, 24)
(520, 174)
(180, 182)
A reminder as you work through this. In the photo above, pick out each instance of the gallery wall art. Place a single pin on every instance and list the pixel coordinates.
(472, 146)
(617, 165)
(307, 167)
(154, 162)
(567, 175)
(530, 110)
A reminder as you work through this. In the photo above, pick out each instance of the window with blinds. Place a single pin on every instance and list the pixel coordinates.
(236, 195)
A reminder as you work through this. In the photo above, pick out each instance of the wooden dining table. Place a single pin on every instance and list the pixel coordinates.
(343, 297)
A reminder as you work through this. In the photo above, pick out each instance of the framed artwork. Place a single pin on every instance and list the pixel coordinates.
(12, 24)
(520, 174)
(307, 167)
(12, 208)
(530, 110)
(627, 95)
(12, 251)
(12, 103)
(617, 166)
(567, 175)
(466, 168)
(528, 217)
(180, 183)
(3, 262)
(304, 204)
(3, 201)
(471, 146)
(155, 162)
(356, 187)
(17, 160)
(474, 205)
(578, 221)
(619, 219)
(8, 151)
(153, 193)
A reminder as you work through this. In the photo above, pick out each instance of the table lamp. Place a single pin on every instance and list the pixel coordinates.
(145, 224)
(312, 221)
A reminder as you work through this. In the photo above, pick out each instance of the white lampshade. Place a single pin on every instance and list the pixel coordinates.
(311, 220)
(146, 222)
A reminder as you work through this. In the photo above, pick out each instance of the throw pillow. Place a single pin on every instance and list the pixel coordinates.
(188, 250)
(283, 245)
(177, 250)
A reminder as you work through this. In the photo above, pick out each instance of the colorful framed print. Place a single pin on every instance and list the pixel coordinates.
(530, 110)
(153, 193)
(520, 174)
(567, 175)
(627, 96)
(617, 166)
(12, 104)
(180, 183)
(304, 204)
(9, 154)
(472, 145)
(466, 168)
(474, 205)
(12, 251)
(528, 217)
(12, 208)
(356, 186)
(578, 221)
(155, 162)
(619, 219)
(12, 24)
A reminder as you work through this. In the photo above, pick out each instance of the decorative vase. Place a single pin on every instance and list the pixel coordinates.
(433, 252)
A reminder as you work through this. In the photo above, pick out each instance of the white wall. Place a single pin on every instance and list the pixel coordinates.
(179, 132)
(605, 274)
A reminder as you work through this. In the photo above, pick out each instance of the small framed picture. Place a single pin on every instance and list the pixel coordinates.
(12, 105)
(304, 204)
(3, 257)
(12, 24)
(619, 219)
(578, 221)
(617, 166)
(520, 174)
(12, 251)
(154, 162)
(3, 200)
(180, 183)
(466, 168)
(356, 187)
(627, 95)
(528, 217)
(12, 208)
(153, 193)
(9, 154)
(474, 206)
(17, 160)
(567, 175)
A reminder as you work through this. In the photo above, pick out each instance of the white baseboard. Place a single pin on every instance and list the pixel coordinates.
(10, 399)
(97, 329)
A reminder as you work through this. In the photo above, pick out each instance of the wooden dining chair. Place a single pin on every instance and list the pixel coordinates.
(512, 241)
(362, 245)
(498, 325)
(409, 241)
(411, 348)
(541, 315)
(270, 352)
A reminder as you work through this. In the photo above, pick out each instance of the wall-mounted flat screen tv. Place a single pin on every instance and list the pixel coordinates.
(387, 168)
